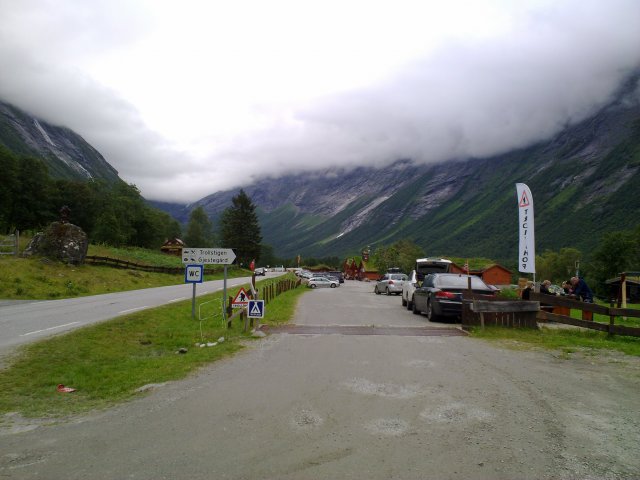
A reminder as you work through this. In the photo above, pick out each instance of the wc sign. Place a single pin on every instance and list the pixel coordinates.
(194, 274)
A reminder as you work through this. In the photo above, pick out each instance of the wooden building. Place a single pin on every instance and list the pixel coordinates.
(492, 274)
(173, 246)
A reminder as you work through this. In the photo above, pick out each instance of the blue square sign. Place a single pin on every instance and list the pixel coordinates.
(193, 273)
(255, 309)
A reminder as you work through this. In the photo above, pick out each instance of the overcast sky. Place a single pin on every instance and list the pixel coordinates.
(185, 98)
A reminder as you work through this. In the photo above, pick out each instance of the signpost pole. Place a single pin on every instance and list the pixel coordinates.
(193, 302)
(224, 296)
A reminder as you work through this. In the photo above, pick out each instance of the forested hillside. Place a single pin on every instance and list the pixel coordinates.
(110, 212)
(585, 182)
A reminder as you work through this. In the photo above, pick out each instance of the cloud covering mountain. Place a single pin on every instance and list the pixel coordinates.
(184, 101)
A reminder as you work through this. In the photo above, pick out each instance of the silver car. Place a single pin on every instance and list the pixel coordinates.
(390, 283)
(315, 282)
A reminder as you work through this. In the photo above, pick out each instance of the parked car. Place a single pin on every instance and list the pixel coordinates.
(390, 283)
(441, 294)
(315, 282)
(338, 275)
(423, 267)
(260, 271)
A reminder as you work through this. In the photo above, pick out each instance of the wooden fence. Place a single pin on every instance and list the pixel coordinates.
(116, 263)
(558, 309)
(489, 310)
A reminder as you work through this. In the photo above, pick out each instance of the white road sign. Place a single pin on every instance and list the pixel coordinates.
(209, 256)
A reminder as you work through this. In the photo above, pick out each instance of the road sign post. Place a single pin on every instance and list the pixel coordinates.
(193, 274)
(209, 256)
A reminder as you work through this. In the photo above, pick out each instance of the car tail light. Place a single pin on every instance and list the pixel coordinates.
(442, 294)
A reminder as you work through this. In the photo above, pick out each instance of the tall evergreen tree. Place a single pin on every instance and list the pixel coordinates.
(241, 230)
(199, 229)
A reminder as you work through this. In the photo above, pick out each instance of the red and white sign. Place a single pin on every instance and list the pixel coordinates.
(241, 299)
(527, 244)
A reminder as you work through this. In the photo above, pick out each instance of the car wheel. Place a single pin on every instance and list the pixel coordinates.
(388, 292)
(430, 315)
(313, 285)
(409, 305)
(404, 302)
(376, 291)
(333, 285)
(414, 309)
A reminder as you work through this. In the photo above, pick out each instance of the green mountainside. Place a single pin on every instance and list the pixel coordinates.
(66, 154)
(585, 182)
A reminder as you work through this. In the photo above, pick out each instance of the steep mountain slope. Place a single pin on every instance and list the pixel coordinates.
(585, 182)
(66, 153)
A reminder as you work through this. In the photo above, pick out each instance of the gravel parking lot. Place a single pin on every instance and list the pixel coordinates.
(357, 406)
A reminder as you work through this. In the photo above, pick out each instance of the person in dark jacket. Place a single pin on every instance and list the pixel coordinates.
(544, 287)
(581, 290)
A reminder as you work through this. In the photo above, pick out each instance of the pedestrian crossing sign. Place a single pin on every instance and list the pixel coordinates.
(241, 299)
(256, 309)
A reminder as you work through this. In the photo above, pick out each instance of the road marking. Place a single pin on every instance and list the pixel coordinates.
(177, 299)
(50, 328)
(133, 309)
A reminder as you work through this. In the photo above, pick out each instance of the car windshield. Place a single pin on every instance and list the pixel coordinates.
(459, 281)
(398, 277)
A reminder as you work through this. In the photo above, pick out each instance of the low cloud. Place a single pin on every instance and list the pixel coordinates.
(555, 65)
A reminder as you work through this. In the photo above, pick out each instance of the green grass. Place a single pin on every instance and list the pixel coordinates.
(107, 362)
(39, 279)
(597, 317)
(564, 340)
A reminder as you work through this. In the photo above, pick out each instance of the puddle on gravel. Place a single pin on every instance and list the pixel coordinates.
(420, 364)
(306, 420)
(366, 387)
(454, 412)
(387, 426)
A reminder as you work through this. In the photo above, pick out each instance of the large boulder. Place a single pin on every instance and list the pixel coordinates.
(63, 241)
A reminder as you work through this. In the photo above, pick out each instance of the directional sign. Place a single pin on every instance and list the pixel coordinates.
(215, 256)
(241, 299)
(256, 309)
(193, 274)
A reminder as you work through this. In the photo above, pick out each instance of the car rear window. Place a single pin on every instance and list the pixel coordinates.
(398, 277)
(459, 281)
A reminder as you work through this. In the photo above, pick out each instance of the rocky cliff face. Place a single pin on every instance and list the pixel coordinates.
(585, 182)
(66, 153)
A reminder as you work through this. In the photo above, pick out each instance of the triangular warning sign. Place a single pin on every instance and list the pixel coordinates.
(255, 310)
(241, 298)
(524, 201)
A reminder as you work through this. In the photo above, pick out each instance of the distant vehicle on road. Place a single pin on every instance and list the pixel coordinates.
(316, 282)
(423, 267)
(260, 271)
(390, 283)
(441, 294)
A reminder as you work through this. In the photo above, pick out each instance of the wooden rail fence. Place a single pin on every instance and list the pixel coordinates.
(117, 263)
(480, 310)
(558, 309)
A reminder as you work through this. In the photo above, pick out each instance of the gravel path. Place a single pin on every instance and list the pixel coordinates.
(363, 407)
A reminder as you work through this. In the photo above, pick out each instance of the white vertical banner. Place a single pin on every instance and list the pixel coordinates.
(527, 247)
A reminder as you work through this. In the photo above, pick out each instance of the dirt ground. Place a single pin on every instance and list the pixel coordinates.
(357, 406)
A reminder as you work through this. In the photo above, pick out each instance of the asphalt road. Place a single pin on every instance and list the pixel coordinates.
(22, 322)
(355, 406)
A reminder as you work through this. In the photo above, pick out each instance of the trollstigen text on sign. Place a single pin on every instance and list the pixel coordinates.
(208, 256)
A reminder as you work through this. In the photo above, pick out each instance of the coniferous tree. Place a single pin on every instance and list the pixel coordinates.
(241, 230)
(199, 229)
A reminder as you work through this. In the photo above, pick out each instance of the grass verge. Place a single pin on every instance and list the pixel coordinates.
(108, 362)
(565, 340)
(35, 279)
